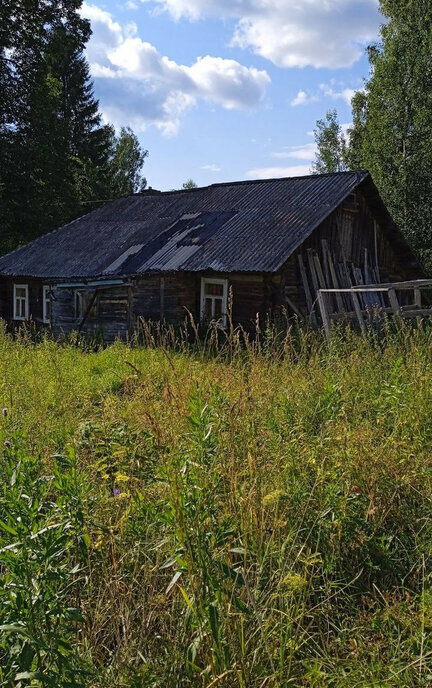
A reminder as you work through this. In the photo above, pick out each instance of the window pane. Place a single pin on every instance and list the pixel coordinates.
(217, 308)
(208, 308)
(21, 308)
(214, 289)
(20, 292)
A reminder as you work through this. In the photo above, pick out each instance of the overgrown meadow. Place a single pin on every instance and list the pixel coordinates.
(255, 517)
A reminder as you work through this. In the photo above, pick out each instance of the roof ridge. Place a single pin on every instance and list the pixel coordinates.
(248, 182)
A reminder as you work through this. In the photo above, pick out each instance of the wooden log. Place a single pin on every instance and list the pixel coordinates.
(358, 312)
(293, 307)
(322, 282)
(325, 261)
(305, 284)
(394, 303)
(312, 271)
(324, 313)
(339, 300)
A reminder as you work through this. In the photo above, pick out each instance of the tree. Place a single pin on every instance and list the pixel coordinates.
(37, 171)
(331, 145)
(125, 166)
(189, 184)
(392, 119)
(57, 157)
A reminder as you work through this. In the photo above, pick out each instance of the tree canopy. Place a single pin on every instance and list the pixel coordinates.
(391, 133)
(58, 159)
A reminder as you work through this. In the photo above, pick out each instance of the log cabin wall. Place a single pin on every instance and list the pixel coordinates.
(165, 297)
(35, 292)
(169, 297)
(108, 312)
(364, 247)
(4, 310)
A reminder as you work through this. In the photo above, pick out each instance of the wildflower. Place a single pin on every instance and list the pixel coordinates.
(116, 492)
(294, 582)
(5, 412)
(7, 444)
(121, 478)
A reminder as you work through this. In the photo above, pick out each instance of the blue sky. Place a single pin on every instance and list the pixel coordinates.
(222, 90)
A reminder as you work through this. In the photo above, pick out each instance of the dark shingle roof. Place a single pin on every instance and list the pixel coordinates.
(233, 227)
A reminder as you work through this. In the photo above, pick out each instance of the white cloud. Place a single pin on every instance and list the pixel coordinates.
(131, 5)
(140, 87)
(303, 98)
(306, 152)
(211, 168)
(345, 94)
(276, 172)
(320, 33)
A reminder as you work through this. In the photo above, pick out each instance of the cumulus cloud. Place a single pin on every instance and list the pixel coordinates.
(303, 98)
(335, 91)
(140, 87)
(318, 33)
(276, 172)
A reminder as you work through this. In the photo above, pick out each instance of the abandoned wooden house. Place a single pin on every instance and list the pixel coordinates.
(272, 245)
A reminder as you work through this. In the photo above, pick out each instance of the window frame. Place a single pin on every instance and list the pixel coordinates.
(26, 302)
(224, 297)
(46, 296)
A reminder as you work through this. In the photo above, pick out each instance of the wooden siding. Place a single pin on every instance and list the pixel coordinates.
(170, 297)
(353, 234)
(35, 290)
(109, 313)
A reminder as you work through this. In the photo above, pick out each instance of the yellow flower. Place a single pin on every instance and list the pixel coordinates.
(294, 582)
(121, 478)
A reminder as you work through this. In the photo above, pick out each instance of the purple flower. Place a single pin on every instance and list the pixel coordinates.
(116, 492)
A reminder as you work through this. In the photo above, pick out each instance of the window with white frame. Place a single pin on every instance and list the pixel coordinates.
(21, 302)
(214, 298)
(46, 304)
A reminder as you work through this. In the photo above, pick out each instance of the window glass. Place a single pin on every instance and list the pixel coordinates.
(217, 308)
(46, 304)
(214, 300)
(20, 302)
(208, 308)
(214, 289)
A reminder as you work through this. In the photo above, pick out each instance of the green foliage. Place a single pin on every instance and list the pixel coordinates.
(189, 184)
(392, 120)
(42, 549)
(58, 159)
(245, 516)
(125, 165)
(331, 145)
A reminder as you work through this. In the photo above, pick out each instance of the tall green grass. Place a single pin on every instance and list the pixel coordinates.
(241, 514)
